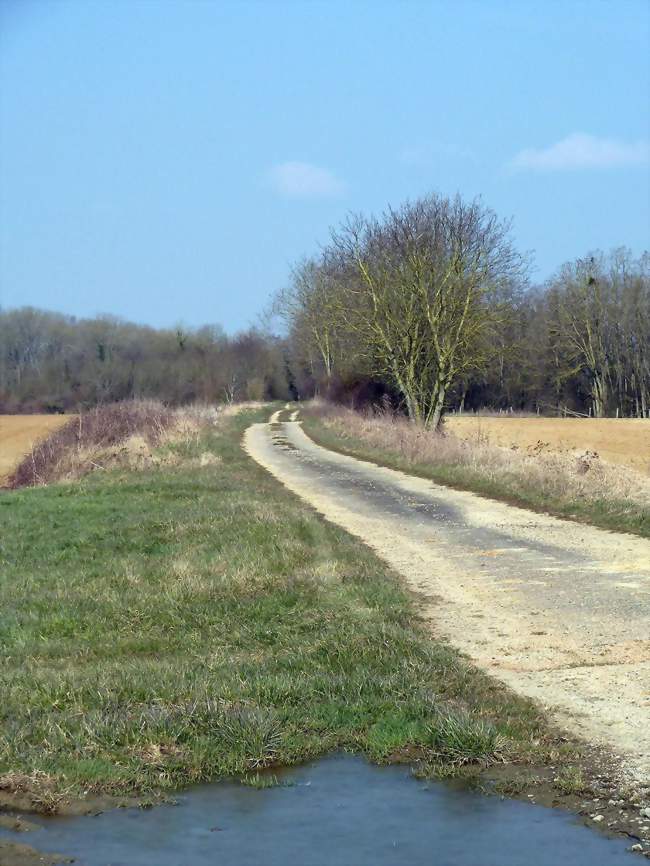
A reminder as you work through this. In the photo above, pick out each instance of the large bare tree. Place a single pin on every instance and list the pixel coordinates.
(426, 285)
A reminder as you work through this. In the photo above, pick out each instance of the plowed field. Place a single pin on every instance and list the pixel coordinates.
(624, 441)
(19, 432)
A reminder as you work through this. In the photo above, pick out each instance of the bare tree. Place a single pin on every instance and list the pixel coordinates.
(50, 362)
(426, 286)
(311, 306)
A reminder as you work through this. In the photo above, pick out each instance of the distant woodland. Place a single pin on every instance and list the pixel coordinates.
(55, 363)
(426, 308)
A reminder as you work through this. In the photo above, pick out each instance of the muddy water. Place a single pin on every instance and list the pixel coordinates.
(339, 811)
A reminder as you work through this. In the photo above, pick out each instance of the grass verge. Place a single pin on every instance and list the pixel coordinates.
(192, 620)
(577, 488)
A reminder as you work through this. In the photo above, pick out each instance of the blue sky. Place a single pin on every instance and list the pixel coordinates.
(168, 161)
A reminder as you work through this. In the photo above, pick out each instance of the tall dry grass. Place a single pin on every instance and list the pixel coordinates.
(532, 476)
(125, 433)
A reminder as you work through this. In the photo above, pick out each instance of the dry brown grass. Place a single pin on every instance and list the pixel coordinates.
(38, 789)
(131, 434)
(534, 476)
(230, 409)
(39, 449)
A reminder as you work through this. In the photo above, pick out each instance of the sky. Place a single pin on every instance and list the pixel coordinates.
(166, 161)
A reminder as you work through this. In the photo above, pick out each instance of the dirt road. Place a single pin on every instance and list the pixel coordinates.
(558, 610)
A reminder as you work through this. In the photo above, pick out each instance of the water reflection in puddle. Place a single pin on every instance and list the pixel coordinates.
(339, 811)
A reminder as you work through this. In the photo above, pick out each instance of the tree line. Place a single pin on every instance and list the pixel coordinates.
(55, 363)
(429, 305)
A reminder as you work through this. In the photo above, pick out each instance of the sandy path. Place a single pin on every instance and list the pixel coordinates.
(558, 610)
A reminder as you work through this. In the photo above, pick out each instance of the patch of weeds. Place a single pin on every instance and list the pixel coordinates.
(261, 781)
(571, 781)
(469, 775)
(458, 738)
(513, 787)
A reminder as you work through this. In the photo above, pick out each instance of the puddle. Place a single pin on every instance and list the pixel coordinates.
(339, 811)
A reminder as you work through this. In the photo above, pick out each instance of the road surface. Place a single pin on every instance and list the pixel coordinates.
(558, 610)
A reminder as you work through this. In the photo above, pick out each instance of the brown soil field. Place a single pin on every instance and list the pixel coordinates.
(623, 441)
(18, 433)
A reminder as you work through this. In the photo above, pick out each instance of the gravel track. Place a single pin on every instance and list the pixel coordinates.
(558, 610)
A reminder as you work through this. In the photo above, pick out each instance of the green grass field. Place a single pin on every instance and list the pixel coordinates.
(178, 624)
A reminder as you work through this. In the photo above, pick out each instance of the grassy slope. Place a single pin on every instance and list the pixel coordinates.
(168, 626)
(610, 513)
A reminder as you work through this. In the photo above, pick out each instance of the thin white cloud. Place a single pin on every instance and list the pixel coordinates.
(580, 150)
(304, 180)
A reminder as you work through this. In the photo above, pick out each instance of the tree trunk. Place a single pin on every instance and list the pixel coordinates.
(600, 397)
(437, 405)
